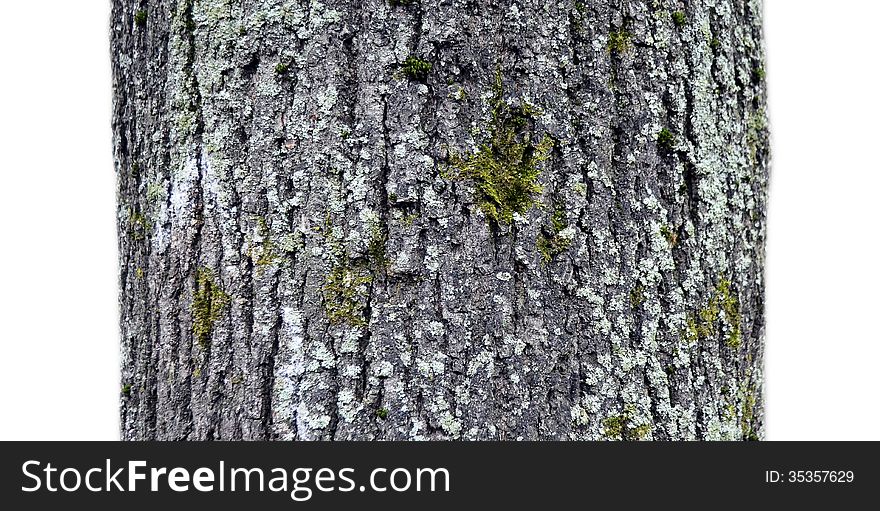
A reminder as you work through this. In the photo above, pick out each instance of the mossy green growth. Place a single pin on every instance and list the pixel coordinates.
(638, 432)
(409, 220)
(554, 241)
(755, 134)
(505, 167)
(614, 426)
(705, 323)
(209, 303)
(666, 140)
(155, 191)
(621, 427)
(126, 390)
(679, 18)
(139, 224)
(382, 413)
(760, 73)
(268, 253)
(670, 234)
(140, 18)
(619, 41)
(729, 411)
(281, 68)
(415, 68)
(460, 94)
(637, 296)
(748, 416)
(376, 248)
(345, 291)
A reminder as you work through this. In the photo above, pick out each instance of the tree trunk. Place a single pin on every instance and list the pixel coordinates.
(461, 219)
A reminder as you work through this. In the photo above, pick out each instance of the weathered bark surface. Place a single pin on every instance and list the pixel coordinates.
(303, 257)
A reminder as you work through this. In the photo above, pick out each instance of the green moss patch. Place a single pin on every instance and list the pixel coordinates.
(268, 253)
(139, 225)
(669, 232)
(209, 303)
(666, 140)
(622, 427)
(140, 18)
(415, 68)
(554, 240)
(345, 293)
(505, 167)
(637, 296)
(722, 308)
(619, 41)
(679, 18)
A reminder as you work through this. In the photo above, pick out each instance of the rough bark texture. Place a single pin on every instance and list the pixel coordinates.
(321, 238)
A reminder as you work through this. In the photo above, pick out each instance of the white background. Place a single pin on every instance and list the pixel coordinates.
(58, 290)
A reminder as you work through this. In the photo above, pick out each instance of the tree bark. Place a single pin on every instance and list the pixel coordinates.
(454, 219)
